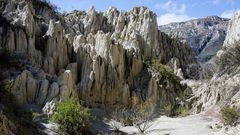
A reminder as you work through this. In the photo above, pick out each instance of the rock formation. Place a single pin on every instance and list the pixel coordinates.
(223, 88)
(205, 36)
(97, 58)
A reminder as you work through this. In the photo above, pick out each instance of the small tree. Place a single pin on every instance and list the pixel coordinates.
(117, 118)
(142, 117)
(139, 116)
(73, 118)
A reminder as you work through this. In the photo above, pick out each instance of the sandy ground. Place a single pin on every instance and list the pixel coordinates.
(191, 125)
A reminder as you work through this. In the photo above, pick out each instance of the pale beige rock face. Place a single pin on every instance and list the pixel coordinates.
(110, 62)
(56, 47)
(19, 87)
(32, 87)
(233, 34)
(42, 93)
(78, 40)
(94, 57)
(221, 91)
(48, 65)
(25, 88)
(53, 91)
(21, 41)
(73, 68)
(11, 41)
(67, 82)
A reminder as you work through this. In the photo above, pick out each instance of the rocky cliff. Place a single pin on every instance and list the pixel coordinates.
(94, 57)
(205, 36)
(223, 88)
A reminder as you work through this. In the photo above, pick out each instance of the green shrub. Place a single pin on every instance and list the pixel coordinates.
(187, 93)
(165, 71)
(73, 118)
(167, 109)
(229, 59)
(183, 111)
(230, 116)
(9, 85)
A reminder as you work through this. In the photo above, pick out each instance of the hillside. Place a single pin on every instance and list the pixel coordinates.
(205, 35)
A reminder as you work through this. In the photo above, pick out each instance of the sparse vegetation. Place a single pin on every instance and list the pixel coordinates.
(73, 118)
(14, 120)
(51, 5)
(139, 116)
(230, 116)
(187, 93)
(183, 111)
(117, 118)
(9, 85)
(165, 71)
(229, 59)
(46, 3)
(167, 109)
(142, 117)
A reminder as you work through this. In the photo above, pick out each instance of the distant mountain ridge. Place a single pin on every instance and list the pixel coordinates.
(205, 35)
(222, 89)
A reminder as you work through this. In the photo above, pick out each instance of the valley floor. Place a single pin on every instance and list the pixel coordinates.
(190, 125)
(199, 124)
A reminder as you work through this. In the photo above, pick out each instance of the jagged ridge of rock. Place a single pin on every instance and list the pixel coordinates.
(223, 88)
(94, 57)
(205, 36)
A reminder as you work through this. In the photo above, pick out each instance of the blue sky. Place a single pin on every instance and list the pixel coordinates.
(167, 10)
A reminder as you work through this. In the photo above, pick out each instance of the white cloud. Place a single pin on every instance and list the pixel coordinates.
(172, 7)
(174, 13)
(215, 2)
(171, 17)
(221, 1)
(229, 13)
